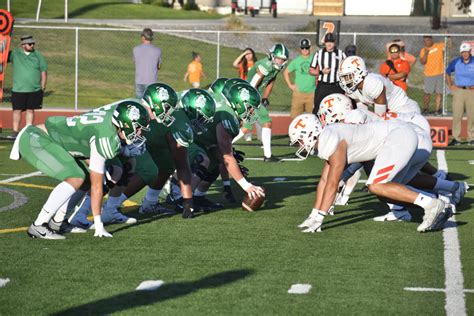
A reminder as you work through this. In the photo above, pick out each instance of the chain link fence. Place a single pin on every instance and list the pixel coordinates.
(89, 67)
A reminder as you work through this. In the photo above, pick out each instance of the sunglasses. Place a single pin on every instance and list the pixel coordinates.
(394, 51)
(304, 48)
(30, 44)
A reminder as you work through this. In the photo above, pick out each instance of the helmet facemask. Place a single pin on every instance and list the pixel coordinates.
(304, 130)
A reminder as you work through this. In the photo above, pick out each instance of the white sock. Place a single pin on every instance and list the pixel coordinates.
(445, 185)
(267, 141)
(423, 200)
(61, 213)
(352, 182)
(59, 196)
(199, 193)
(236, 138)
(152, 195)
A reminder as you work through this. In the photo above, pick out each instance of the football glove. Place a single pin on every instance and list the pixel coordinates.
(99, 228)
(187, 208)
(132, 150)
(316, 223)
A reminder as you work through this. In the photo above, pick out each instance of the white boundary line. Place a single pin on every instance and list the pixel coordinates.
(430, 289)
(28, 175)
(283, 159)
(454, 279)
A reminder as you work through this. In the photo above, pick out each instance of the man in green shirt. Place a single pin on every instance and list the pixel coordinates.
(304, 83)
(29, 81)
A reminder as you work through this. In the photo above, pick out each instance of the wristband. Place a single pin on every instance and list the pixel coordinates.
(244, 184)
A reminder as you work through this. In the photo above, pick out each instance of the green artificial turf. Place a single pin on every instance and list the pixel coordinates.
(234, 262)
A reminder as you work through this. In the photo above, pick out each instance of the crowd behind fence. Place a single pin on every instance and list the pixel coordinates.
(89, 67)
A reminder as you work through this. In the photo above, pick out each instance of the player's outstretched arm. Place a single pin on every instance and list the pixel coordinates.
(96, 201)
(224, 140)
(336, 162)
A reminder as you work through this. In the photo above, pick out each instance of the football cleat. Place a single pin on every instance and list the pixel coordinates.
(433, 216)
(43, 232)
(65, 227)
(156, 208)
(115, 217)
(201, 203)
(315, 228)
(458, 195)
(395, 216)
(448, 202)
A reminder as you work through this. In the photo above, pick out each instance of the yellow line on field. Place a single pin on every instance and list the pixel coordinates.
(13, 230)
(28, 185)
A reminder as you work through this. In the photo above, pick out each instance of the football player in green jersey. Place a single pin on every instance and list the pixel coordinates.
(262, 76)
(215, 145)
(60, 148)
(167, 143)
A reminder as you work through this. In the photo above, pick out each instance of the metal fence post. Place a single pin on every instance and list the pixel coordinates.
(218, 53)
(76, 70)
(355, 39)
(445, 60)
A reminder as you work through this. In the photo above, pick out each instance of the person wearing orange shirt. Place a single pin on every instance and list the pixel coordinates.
(195, 71)
(244, 62)
(432, 57)
(403, 53)
(395, 68)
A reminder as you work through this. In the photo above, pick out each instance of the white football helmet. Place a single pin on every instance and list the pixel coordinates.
(304, 130)
(333, 108)
(352, 71)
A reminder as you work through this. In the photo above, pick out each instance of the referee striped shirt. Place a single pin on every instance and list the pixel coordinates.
(325, 59)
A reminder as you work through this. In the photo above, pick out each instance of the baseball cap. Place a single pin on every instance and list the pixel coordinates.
(305, 43)
(27, 39)
(329, 38)
(147, 34)
(465, 47)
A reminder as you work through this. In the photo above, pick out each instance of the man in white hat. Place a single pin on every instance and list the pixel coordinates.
(463, 93)
(29, 81)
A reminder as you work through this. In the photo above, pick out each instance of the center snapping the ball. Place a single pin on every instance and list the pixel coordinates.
(254, 204)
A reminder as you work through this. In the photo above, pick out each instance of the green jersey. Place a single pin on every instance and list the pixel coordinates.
(226, 116)
(180, 130)
(303, 79)
(76, 134)
(266, 68)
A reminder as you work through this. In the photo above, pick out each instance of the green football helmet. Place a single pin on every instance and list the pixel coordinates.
(200, 108)
(244, 100)
(217, 86)
(162, 100)
(279, 51)
(130, 117)
(230, 82)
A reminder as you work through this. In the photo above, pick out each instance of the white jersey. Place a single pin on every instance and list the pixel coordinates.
(397, 99)
(363, 140)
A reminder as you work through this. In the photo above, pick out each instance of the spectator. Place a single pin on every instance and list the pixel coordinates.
(304, 83)
(29, 82)
(147, 60)
(324, 66)
(431, 56)
(395, 68)
(195, 72)
(350, 50)
(245, 62)
(463, 93)
(403, 53)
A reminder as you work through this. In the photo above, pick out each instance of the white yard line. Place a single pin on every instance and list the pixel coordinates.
(283, 159)
(454, 279)
(28, 175)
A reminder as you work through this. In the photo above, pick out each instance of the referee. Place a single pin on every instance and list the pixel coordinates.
(324, 66)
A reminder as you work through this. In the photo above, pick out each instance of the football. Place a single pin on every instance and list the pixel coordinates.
(251, 205)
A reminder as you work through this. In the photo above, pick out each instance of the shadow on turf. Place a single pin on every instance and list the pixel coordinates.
(133, 299)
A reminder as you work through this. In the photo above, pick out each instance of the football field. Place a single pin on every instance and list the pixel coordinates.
(234, 262)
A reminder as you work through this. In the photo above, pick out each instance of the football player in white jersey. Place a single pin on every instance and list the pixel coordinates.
(373, 89)
(336, 108)
(390, 144)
